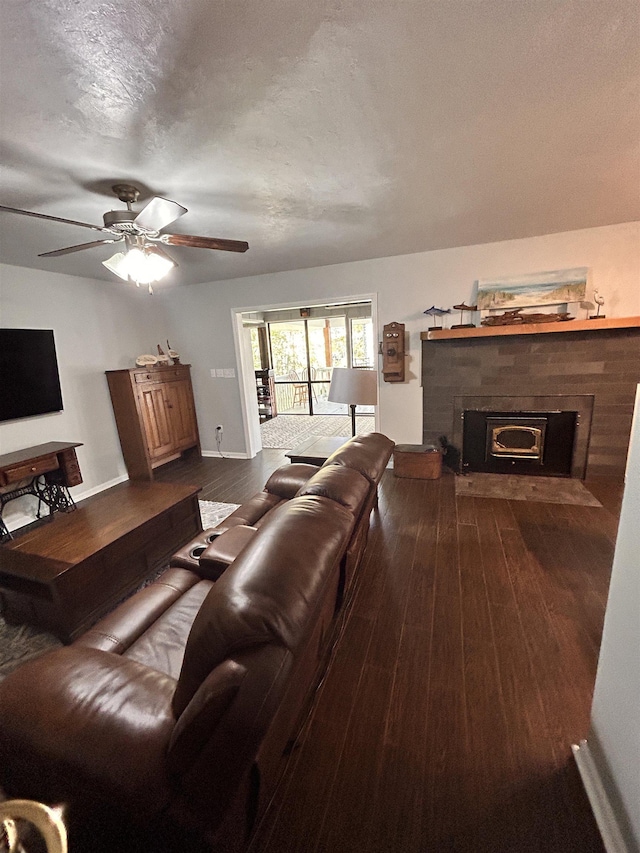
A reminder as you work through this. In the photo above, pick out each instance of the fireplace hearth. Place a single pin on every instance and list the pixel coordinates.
(537, 443)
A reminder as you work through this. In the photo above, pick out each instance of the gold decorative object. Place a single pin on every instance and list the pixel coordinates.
(47, 821)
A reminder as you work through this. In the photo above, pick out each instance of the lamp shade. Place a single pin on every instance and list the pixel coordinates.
(353, 386)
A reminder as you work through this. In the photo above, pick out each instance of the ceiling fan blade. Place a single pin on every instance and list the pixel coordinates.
(52, 218)
(205, 242)
(78, 248)
(159, 213)
(155, 247)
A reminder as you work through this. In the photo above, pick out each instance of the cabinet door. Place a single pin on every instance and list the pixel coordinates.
(182, 413)
(155, 419)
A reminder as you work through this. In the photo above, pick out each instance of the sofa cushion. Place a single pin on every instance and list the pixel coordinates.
(268, 594)
(281, 486)
(343, 485)
(120, 628)
(97, 726)
(252, 512)
(162, 644)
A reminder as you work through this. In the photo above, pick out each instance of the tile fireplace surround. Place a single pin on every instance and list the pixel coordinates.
(588, 368)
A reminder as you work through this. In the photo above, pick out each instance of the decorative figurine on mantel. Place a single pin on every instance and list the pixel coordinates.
(436, 313)
(599, 300)
(515, 317)
(462, 308)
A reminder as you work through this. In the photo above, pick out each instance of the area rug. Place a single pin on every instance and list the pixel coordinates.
(213, 512)
(518, 487)
(20, 643)
(286, 431)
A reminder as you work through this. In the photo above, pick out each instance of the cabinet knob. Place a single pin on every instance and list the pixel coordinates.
(33, 467)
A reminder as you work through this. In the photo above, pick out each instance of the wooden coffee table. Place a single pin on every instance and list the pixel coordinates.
(316, 451)
(64, 574)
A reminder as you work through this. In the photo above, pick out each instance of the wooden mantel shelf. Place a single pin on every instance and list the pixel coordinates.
(533, 328)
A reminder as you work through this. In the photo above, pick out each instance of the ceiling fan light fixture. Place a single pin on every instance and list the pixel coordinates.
(145, 265)
(116, 264)
(140, 265)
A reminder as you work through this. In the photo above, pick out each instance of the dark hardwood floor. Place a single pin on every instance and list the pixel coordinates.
(463, 674)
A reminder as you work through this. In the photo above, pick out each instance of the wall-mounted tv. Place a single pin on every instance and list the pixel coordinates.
(29, 380)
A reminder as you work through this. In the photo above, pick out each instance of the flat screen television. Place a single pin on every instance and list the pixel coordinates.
(29, 379)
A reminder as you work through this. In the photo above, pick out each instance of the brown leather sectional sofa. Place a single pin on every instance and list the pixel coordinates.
(164, 726)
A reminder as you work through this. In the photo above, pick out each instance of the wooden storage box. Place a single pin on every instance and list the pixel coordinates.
(418, 461)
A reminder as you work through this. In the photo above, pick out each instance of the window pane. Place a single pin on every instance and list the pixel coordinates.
(288, 348)
(338, 333)
(362, 342)
(255, 349)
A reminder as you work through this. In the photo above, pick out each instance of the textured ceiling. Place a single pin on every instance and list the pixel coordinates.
(320, 131)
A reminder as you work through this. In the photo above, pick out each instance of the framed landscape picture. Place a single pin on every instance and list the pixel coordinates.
(533, 289)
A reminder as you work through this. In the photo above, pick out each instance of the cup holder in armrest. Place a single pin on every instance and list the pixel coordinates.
(188, 557)
(197, 552)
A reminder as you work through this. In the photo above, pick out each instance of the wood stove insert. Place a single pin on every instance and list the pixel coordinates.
(539, 443)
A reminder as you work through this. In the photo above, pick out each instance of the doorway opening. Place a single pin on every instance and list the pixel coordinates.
(294, 353)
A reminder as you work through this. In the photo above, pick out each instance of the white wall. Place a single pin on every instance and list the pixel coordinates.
(97, 326)
(615, 714)
(405, 285)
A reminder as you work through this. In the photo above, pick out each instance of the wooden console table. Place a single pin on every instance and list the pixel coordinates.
(63, 576)
(55, 462)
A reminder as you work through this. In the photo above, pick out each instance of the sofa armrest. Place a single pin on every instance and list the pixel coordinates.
(198, 720)
(286, 480)
(81, 724)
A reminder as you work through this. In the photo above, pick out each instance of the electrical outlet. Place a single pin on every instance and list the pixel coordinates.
(219, 429)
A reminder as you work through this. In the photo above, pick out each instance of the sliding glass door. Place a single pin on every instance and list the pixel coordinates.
(290, 360)
(304, 353)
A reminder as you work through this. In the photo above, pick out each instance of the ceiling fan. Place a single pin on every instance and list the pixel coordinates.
(143, 259)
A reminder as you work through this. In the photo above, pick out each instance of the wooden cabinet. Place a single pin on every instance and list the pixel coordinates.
(182, 419)
(155, 415)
